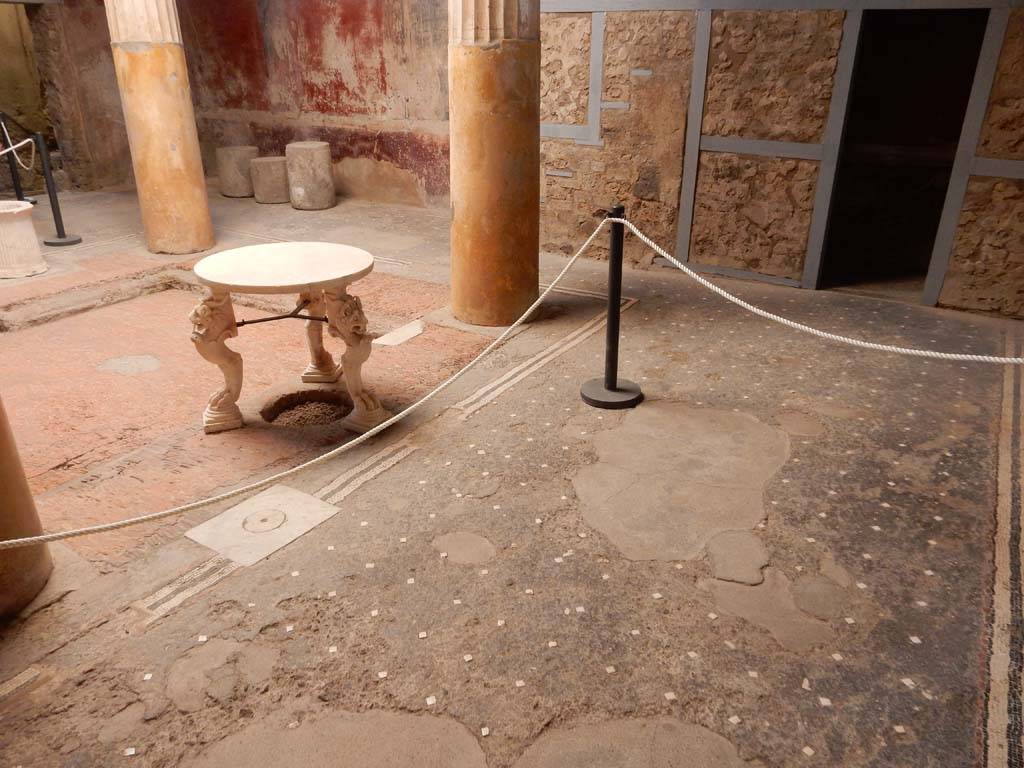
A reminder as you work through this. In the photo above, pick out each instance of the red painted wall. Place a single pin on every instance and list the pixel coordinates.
(369, 76)
(342, 45)
(227, 63)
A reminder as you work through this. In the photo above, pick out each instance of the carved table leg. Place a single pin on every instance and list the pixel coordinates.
(213, 322)
(346, 320)
(321, 369)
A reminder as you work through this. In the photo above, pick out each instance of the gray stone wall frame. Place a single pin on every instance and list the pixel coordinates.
(1004, 169)
(966, 153)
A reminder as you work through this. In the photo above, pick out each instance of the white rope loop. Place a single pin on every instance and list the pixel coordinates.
(192, 506)
(12, 148)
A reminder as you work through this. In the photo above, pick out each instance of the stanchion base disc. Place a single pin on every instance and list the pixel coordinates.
(66, 240)
(625, 395)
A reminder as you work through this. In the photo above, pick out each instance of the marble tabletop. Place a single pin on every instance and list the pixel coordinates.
(284, 267)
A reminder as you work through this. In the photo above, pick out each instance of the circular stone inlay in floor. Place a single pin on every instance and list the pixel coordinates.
(465, 548)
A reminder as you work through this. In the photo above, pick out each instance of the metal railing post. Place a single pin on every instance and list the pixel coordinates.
(62, 238)
(611, 391)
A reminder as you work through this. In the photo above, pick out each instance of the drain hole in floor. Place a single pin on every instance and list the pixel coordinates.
(307, 409)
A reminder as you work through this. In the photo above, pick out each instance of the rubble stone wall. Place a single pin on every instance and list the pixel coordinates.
(648, 57)
(565, 68)
(770, 77)
(986, 270)
(1002, 133)
(770, 74)
(986, 267)
(20, 90)
(753, 213)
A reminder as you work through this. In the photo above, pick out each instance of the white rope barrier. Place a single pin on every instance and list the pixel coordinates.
(12, 147)
(808, 329)
(192, 506)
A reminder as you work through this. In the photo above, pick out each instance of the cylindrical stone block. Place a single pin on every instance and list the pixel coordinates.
(25, 571)
(233, 170)
(19, 249)
(161, 124)
(310, 175)
(495, 181)
(270, 179)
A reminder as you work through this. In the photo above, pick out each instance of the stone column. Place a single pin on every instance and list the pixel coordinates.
(23, 572)
(157, 102)
(494, 113)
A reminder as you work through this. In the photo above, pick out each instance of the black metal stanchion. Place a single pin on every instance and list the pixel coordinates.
(62, 238)
(611, 391)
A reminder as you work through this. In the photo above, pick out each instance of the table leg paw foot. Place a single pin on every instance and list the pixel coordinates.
(315, 374)
(363, 419)
(221, 420)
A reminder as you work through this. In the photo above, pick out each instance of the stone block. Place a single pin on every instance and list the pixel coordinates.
(310, 175)
(565, 68)
(753, 213)
(270, 179)
(986, 268)
(233, 170)
(19, 249)
(771, 73)
(262, 524)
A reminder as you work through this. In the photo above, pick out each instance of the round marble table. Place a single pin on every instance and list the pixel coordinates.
(320, 273)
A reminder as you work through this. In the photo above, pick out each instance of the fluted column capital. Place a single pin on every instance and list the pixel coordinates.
(143, 21)
(486, 22)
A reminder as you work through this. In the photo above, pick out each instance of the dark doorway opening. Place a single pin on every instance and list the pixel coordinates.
(911, 81)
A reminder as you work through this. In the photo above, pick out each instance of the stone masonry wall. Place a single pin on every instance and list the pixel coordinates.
(986, 267)
(76, 67)
(753, 213)
(565, 68)
(770, 74)
(986, 271)
(1002, 133)
(647, 60)
(20, 90)
(770, 77)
